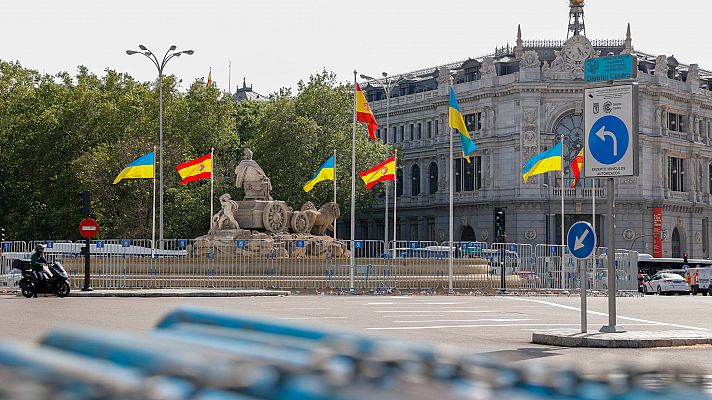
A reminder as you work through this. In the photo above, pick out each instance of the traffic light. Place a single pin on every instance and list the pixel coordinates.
(499, 224)
(2, 234)
(684, 258)
(85, 202)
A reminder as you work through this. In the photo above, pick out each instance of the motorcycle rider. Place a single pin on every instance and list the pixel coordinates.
(39, 263)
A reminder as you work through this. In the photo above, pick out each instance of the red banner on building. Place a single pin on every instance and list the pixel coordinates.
(657, 230)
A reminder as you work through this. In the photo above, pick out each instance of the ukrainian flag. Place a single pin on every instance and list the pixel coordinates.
(549, 160)
(324, 173)
(458, 123)
(142, 167)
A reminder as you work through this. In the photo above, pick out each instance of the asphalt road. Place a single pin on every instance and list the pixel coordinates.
(500, 326)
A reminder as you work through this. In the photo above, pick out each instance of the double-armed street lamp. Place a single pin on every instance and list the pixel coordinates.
(160, 65)
(387, 83)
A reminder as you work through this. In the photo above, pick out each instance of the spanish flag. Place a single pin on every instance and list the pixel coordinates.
(324, 173)
(385, 171)
(549, 160)
(200, 168)
(142, 167)
(576, 167)
(364, 113)
(457, 122)
(210, 79)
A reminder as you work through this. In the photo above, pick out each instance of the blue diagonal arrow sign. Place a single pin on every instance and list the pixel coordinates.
(581, 240)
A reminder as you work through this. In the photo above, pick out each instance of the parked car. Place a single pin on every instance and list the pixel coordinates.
(666, 282)
(680, 271)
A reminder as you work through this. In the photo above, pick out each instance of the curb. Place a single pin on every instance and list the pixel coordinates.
(634, 339)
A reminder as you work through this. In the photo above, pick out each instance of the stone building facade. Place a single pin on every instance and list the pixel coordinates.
(517, 102)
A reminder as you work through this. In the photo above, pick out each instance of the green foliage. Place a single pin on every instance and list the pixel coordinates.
(296, 134)
(60, 134)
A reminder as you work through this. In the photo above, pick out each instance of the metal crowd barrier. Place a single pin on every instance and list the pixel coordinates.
(203, 354)
(325, 265)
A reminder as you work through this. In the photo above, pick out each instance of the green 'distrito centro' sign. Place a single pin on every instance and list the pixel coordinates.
(610, 68)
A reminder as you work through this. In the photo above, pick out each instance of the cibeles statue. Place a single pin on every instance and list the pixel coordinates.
(226, 218)
(250, 176)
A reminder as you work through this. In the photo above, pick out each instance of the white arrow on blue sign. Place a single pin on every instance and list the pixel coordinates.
(581, 240)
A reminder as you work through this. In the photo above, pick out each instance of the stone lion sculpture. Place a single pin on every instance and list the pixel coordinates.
(322, 219)
(225, 218)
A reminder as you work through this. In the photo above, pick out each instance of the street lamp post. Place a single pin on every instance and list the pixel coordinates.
(160, 65)
(387, 84)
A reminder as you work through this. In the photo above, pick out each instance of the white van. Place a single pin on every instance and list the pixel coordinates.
(699, 280)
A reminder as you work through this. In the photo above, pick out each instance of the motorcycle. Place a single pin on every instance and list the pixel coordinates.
(30, 284)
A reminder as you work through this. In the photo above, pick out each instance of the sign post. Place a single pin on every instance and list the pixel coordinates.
(611, 150)
(88, 228)
(581, 242)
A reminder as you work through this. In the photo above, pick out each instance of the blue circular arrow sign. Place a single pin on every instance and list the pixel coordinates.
(581, 240)
(608, 140)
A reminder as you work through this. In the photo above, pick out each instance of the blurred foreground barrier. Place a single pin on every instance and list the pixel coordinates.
(209, 355)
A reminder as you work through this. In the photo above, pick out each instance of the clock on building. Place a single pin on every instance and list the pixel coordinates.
(578, 48)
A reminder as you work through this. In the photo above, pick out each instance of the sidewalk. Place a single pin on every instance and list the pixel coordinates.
(178, 293)
(632, 339)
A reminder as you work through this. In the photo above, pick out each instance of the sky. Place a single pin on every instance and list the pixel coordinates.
(275, 43)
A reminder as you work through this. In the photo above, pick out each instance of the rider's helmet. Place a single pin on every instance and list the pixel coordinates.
(40, 248)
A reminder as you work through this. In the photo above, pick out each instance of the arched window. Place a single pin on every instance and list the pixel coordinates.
(415, 180)
(433, 177)
(468, 234)
(571, 126)
(399, 182)
(676, 244)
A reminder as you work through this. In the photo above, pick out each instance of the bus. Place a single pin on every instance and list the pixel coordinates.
(649, 265)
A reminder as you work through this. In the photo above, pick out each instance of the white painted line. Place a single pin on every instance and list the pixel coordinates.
(591, 324)
(606, 315)
(307, 318)
(379, 304)
(300, 308)
(399, 297)
(467, 320)
(413, 328)
(443, 303)
(434, 311)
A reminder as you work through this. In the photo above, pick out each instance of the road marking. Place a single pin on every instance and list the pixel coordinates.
(467, 320)
(606, 315)
(300, 308)
(379, 304)
(307, 318)
(414, 328)
(591, 324)
(443, 303)
(434, 311)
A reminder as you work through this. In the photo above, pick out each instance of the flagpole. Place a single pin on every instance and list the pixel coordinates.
(563, 238)
(212, 185)
(153, 226)
(450, 208)
(334, 190)
(395, 200)
(353, 192)
(229, 78)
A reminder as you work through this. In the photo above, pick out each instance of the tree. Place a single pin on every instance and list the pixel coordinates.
(296, 134)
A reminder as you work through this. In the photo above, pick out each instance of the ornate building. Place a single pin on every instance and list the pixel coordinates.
(516, 102)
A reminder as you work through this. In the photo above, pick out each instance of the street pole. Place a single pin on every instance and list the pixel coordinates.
(160, 159)
(610, 238)
(451, 185)
(160, 66)
(353, 194)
